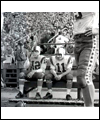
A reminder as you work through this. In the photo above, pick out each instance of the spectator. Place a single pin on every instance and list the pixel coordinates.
(34, 70)
(45, 38)
(9, 56)
(61, 40)
(20, 56)
(2, 77)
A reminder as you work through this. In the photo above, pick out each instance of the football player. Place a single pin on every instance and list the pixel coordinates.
(60, 69)
(35, 69)
(62, 41)
(85, 30)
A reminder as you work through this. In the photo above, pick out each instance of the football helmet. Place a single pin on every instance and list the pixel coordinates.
(79, 15)
(20, 104)
(37, 51)
(60, 52)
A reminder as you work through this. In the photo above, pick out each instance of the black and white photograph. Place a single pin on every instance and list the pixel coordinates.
(49, 59)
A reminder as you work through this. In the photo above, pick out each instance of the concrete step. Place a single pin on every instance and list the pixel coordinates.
(53, 101)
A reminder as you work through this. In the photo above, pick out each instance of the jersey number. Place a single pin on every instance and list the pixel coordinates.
(59, 68)
(35, 65)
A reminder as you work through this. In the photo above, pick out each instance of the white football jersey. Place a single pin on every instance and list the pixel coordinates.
(61, 39)
(61, 66)
(37, 63)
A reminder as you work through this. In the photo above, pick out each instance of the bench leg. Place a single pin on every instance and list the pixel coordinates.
(29, 90)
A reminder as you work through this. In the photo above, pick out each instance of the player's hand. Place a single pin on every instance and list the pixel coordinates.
(30, 74)
(58, 77)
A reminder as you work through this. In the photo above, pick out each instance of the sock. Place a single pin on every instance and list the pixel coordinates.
(88, 95)
(50, 91)
(81, 95)
(39, 85)
(21, 87)
(68, 91)
(49, 84)
(39, 89)
(69, 86)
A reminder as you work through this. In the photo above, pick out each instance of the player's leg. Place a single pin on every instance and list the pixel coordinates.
(21, 84)
(2, 80)
(77, 54)
(48, 78)
(39, 76)
(84, 75)
(69, 80)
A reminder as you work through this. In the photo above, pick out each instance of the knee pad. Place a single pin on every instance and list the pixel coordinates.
(70, 81)
(81, 78)
(48, 76)
(39, 75)
(21, 75)
(49, 81)
(69, 76)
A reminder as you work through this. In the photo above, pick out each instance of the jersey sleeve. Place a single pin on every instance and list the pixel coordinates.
(43, 63)
(52, 67)
(70, 63)
(43, 60)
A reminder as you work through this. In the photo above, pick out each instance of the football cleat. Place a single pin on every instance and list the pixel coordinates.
(19, 95)
(68, 97)
(48, 96)
(38, 96)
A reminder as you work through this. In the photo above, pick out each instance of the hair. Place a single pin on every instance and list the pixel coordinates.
(31, 37)
(79, 16)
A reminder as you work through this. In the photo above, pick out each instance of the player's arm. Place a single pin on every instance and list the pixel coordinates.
(95, 28)
(43, 64)
(65, 73)
(52, 68)
(53, 71)
(92, 31)
(28, 66)
(66, 40)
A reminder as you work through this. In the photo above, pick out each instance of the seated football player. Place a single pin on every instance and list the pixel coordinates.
(35, 69)
(60, 69)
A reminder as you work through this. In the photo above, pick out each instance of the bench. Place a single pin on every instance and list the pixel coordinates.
(28, 86)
